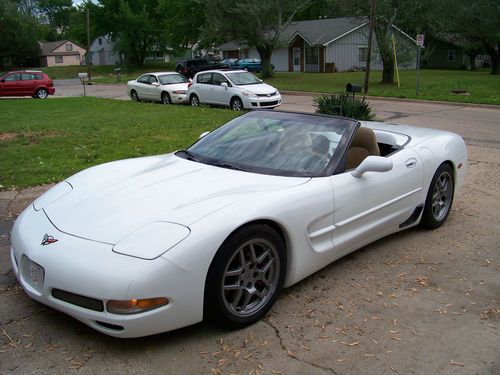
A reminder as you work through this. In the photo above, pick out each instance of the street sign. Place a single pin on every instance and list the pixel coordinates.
(420, 40)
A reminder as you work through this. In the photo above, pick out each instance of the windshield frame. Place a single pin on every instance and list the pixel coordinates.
(334, 166)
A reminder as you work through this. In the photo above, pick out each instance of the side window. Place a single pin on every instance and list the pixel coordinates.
(38, 76)
(59, 59)
(13, 77)
(144, 79)
(69, 47)
(205, 78)
(152, 79)
(27, 76)
(217, 79)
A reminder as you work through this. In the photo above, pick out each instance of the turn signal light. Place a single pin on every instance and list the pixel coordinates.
(135, 306)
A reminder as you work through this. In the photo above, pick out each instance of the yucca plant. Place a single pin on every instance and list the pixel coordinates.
(343, 104)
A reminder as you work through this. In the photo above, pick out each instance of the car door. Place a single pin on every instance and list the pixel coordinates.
(376, 202)
(154, 90)
(203, 87)
(10, 85)
(142, 86)
(27, 84)
(218, 93)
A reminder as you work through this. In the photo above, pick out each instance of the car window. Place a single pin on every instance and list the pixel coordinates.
(170, 79)
(38, 76)
(217, 79)
(13, 77)
(144, 79)
(28, 76)
(152, 79)
(204, 78)
(243, 78)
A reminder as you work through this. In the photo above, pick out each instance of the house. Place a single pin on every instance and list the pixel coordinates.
(326, 45)
(62, 53)
(102, 52)
(448, 52)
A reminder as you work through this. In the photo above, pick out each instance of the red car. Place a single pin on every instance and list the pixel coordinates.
(26, 83)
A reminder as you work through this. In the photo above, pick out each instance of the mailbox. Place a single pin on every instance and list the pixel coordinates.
(352, 87)
(118, 72)
(83, 75)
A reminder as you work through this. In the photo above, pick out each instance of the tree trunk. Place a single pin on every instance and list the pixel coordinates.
(386, 53)
(265, 53)
(472, 60)
(494, 54)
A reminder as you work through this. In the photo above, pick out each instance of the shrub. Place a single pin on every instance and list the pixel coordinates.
(344, 105)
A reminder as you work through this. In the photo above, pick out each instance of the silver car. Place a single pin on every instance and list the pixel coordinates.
(165, 87)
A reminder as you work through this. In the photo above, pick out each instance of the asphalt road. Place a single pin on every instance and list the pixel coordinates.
(418, 302)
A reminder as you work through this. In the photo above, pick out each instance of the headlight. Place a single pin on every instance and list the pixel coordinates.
(135, 306)
(249, 94)
(179, 91)
(152, 240)
(53, 194)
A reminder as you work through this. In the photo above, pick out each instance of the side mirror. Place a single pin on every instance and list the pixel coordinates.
(155, 84)
(203, 134)
(372, 164)
(224, 84)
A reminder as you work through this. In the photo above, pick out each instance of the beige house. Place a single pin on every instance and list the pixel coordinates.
(61, 53)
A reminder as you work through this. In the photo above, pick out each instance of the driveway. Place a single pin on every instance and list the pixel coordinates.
(417, 302)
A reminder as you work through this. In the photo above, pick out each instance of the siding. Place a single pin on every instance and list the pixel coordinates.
(279, 59)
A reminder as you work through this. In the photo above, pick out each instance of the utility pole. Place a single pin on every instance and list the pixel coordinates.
(89, 55)
(369, 53)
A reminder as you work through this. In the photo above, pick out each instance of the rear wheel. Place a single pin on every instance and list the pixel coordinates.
(236, 104)
(439, 198)
(245, 277)
(42, 93)
(134, 96)
(194, 100)
(165, 98)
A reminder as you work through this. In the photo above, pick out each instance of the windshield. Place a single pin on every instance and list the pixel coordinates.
(279, 143)
(243, 78)
(170, 79)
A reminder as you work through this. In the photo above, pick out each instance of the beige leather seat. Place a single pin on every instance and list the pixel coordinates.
(364, 144)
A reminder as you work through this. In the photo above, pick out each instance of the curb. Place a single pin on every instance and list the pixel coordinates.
(389, 98)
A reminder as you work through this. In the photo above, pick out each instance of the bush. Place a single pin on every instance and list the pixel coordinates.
(344, 105)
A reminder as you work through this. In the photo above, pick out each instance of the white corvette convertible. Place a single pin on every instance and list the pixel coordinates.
(146, 245)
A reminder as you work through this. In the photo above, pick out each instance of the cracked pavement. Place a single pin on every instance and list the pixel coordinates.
(417, 302)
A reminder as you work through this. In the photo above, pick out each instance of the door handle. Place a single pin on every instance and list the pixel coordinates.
(410, 163)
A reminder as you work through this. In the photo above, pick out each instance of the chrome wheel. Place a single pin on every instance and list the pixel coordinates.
(165, 98)
(195, 102)
(42, 93)
(251, 277)
(236, 104)
(441, 196)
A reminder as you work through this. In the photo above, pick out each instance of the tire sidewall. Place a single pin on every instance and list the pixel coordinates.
(193, 96)
(44, 96)
(233, 100)
(166, 96)
(428, 219)
(214, 307)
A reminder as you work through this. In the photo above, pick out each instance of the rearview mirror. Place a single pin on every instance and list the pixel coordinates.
(203, 134)
(372, 164)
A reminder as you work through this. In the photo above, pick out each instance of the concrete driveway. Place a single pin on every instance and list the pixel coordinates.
(418, 302)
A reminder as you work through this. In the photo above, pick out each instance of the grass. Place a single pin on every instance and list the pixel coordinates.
(434, 84)
(44, 141)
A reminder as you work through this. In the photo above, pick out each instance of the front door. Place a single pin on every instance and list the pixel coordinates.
(11, 84)
(296, 59)
(365, 207)
(219, 94)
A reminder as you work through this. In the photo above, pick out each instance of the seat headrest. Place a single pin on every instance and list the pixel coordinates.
(365, 138)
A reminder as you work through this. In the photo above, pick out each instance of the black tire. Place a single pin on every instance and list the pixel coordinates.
(134, 96)
(245, 276)
(439, 198)
(194, 100)
(236, 104)
(42, 93)
(165, 98)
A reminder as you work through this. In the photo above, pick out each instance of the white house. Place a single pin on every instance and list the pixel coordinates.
(326, 45)
(103, 53)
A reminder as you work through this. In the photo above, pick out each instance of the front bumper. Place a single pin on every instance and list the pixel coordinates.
(92, 271)
(262, 102)
(179, 98)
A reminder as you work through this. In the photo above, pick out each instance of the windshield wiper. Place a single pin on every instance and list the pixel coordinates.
(189, 155)
(225, 165)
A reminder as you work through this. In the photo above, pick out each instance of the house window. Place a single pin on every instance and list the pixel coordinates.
(69, 47)
(100, 41)
(363, 54)
(59, 59)
(451, 55)
(312, 55)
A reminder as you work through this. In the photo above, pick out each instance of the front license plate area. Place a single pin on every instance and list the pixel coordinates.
(33, 273)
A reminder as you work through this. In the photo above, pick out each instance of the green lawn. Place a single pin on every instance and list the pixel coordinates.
(434, 84)
(43, 141)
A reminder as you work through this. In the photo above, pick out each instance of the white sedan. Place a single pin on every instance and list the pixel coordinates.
(164, 87)
(146, 245)
(236, 89)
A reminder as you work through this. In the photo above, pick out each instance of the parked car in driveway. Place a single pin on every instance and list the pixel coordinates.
(165, 87)
(32, 83)
(237, 89)
(190, 67)
(250, 64)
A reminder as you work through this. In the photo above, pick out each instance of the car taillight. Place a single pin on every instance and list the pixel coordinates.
(189, 84)
(50, 83)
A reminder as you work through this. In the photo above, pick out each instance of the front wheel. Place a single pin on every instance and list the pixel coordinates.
(42, 93)
(194, 100)
(439, 198)
(134, 96)
(165, 98)
(245, 277)
(236, 104)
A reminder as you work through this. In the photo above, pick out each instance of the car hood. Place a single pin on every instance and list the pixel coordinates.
(112, 200)
(261, 88)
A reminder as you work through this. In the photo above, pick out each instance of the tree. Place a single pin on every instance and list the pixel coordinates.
(258, 24)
